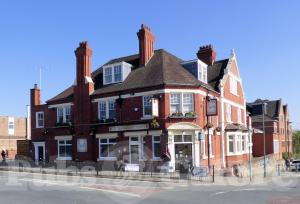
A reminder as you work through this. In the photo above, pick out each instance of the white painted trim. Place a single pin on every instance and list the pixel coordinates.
(159, 91)
(234, 104)
(135, 134)
(64, 137)
(107, 135)
(88, 80)
(155, 132)
(60, 105)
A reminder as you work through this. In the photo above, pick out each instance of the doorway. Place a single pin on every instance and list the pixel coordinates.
(183, 152)
(39, 152)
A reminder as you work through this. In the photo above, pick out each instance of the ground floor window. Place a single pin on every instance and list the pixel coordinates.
(107, 148)
(64, 149)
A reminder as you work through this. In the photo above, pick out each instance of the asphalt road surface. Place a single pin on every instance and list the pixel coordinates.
(27, 188)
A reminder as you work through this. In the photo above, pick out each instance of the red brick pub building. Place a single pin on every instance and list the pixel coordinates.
(145, 107)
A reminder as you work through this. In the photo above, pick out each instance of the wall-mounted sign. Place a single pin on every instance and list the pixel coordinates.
(211, 107)
(201, 136)
(81, 145)
(132, 167)
(128, 127)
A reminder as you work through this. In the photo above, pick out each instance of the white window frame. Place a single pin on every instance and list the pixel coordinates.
(153, 145)
(181, 103)
(228, 113)
(105, 75)
(65, 144)
(101, 157)
(64, 114)
(114, 74)
(37, 119)
(144, 105)
(202, 72)
(107, 109)
(238, 143)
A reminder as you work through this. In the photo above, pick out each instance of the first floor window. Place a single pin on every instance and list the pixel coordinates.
(64, 148)
(156, 147)
(107, 147)
(64, 114)
(230, 143)
(39, 119)
(147, 104)
(107, 110)
(181, 103)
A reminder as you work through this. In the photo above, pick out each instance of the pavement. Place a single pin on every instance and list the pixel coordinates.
(25, 188)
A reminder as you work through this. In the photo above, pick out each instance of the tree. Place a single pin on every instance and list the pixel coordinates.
(296, 144)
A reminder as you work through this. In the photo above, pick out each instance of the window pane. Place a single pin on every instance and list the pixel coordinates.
(187, 138)
(108, 75)
(112, 110)
(178, 138)
(69, 142)
(113, 140)
(102, 108)
(68, 151)
(103, 140)
(61, 142)
(147, 103)
(68, 114)
(111, 150)
(104, 150)
(156, 150)
(118, 73)
(60, 115)
(156, 138)
(134, 139)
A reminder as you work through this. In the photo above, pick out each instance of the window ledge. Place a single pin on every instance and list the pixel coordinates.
(64, 158)
(145, 117)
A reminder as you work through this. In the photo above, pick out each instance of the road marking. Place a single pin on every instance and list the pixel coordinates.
(221, 192)
(111, 191)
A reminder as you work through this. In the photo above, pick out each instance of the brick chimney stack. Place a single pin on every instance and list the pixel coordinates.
(83, 87)
(83, 65)
(146, 44)
(207, 54)
(35, 96)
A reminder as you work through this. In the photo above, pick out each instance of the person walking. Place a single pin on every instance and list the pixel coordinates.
(3, 154)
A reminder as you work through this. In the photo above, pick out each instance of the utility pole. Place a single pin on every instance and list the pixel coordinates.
(263, 118)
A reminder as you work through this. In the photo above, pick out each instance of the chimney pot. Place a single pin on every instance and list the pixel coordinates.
(207, 54)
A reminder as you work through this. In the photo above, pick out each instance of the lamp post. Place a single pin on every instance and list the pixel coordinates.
(264, 135)
(249, 146)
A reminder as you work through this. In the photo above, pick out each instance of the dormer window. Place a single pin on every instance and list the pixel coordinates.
(115, 73)
(197, 68)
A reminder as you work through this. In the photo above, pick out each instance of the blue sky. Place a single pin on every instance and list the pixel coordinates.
(265, 35)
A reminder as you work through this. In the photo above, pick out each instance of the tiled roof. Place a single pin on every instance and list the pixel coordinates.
(162, 69)
(255, 109)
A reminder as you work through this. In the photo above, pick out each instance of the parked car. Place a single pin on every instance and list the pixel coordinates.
(295, 165)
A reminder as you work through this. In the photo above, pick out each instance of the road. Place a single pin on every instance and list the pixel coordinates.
(27, 188)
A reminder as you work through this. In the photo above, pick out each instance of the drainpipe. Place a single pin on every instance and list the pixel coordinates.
(223, 164)
(28, 123)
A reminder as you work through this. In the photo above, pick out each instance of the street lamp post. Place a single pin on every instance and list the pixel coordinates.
(250, 145)
(264, 135)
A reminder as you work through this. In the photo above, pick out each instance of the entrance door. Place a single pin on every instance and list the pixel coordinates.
(40, 153)
(134, 145)
(183, 157)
